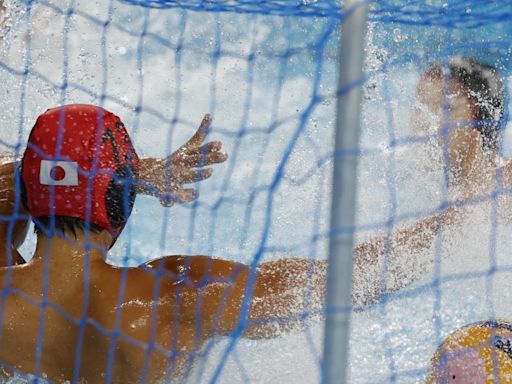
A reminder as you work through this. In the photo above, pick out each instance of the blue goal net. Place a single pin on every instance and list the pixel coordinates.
(431, 246)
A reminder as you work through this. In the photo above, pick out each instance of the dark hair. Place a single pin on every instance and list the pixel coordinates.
(484, 86)
(43, 225)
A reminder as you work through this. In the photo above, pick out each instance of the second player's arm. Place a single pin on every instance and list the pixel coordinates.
(404, 251)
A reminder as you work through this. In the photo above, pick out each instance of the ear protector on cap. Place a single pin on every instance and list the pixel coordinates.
(80, 162)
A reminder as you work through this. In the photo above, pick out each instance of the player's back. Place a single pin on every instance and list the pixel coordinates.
(115, 322)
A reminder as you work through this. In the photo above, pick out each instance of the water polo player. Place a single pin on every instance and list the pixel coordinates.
(467, 98)
(69, 316)
(162, 178)
(474, 117)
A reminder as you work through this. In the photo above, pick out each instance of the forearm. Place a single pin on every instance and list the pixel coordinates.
(289, 290)
(390, 262)
(287, 293)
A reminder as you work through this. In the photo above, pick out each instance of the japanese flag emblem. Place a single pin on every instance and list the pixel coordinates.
(58, 173)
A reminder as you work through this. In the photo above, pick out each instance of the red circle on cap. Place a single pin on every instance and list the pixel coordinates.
(57, 173)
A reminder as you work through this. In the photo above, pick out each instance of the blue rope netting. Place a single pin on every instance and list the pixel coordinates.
(267, 72)
(467, 19)
(451, 14)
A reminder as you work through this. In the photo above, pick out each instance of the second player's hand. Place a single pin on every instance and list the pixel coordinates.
(165, 178)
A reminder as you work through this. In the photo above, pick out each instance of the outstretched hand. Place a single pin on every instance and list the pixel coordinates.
(165, 178)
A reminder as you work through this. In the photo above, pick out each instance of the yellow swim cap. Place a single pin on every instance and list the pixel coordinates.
(479, 353)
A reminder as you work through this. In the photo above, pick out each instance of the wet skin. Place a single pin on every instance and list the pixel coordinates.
(174, 304)
(171, 306)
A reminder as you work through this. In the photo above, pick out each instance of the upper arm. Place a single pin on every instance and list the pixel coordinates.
(213, 292)
(210, 290)
(9, 230)
(280, 293)
(287, 291)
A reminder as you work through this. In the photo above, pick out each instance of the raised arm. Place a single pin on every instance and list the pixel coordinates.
(162, 178)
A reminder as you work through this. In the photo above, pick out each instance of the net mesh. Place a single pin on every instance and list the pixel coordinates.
(267, 72)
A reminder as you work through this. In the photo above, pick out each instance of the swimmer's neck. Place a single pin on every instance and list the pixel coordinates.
(64, 246)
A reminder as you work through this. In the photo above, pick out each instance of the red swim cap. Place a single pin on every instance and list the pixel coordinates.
(80, 162)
